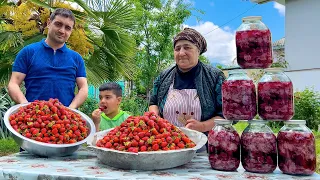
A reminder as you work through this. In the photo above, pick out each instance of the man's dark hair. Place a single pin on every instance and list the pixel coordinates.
(112, 86)
(67, 13)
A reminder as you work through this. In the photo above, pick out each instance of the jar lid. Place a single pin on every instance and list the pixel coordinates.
(236, 71)
(251, 18)
(274, 69)
(295, 122)
(222, 121)
(259, 121)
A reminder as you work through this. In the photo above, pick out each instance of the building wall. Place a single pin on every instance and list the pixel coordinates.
(305, 79)
(302, 34)
(93, 92)
(302, 48)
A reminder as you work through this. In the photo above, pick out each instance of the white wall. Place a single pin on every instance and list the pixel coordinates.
(302, 47)
(304, 79)
(302, 28)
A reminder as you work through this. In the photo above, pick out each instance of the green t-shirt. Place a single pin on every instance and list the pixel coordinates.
(107, 123)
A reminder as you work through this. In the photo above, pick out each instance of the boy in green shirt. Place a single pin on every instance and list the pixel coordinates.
(109, 114)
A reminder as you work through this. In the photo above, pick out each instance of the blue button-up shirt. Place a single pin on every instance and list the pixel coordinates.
(49, 73)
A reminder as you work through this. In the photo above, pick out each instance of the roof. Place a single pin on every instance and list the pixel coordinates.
(279, 44)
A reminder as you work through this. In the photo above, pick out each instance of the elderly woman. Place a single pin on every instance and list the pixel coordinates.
(189, 94)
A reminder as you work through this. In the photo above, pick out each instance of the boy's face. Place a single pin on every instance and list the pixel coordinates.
(109, 102)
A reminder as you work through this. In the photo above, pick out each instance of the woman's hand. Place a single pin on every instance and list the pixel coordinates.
(154, 108)
(195, 125)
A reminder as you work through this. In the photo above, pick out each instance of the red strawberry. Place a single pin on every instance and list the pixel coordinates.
(155, 147)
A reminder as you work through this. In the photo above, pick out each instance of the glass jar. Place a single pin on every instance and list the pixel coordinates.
(296, 144)
(239, 96)
(224, 146)
(253, 43)
(275, 95)
(258, 148)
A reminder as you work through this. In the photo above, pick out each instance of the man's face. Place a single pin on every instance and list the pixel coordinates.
(109, 102)
(59, 30)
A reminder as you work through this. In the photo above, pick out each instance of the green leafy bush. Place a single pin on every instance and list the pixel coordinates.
(307, 107)
(89, 106)
(5, 104)
(134, 105)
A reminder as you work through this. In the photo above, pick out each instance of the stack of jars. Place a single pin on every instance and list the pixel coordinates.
(271, 100)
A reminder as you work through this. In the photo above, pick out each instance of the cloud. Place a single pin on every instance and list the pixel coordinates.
(227, 28)
(281, 8)
(189, 2)
(212, 3)
(221, 43)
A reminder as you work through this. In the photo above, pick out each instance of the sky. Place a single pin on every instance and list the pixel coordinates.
(221, 18)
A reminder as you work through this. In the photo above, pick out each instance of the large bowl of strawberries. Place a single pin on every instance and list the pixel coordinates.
(146, 142)
(47, 128)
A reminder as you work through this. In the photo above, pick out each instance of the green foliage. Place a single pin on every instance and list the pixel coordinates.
(281, 64)
(307, 107)
(275, 125)
(134, 105)
(220, 67)
(240, 126)
(157, 23)
(317, 137)
(8, 146)
(89, 106)
(105, 24)
(279, 61)
(256, 75)
(5, 104)
(204, 59)
(114, 46)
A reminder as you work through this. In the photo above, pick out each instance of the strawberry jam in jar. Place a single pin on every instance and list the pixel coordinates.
(275, 95)
(224, 146)
(258, 148)
(253, 43)
(238, 96)
(296, 148)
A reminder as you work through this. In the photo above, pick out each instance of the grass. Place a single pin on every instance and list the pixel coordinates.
(317, 136)
(8, 146)
(240, 126)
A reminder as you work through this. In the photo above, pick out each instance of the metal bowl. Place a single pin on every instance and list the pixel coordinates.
(45, 149)
(148, 160)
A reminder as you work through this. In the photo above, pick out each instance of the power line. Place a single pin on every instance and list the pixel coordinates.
(232, 19)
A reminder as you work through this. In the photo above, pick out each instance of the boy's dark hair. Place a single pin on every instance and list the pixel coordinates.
(112, 86)
(67, 13)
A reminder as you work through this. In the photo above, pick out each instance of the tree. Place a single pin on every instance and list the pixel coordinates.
(204, 59)
(101, 35)
(158, 22)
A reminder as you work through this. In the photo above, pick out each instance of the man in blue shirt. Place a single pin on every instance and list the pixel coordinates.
(50, 69)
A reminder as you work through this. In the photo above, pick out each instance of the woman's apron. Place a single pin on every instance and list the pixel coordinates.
(182, 105)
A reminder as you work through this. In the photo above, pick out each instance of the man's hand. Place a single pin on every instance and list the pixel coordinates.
(14, 88)
(195, 125)
(82, 95)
